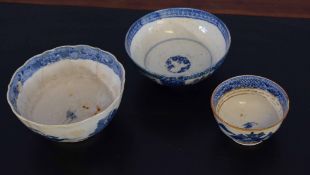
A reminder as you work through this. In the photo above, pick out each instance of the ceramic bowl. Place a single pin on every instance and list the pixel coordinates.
(249, 109)
(68, 93)
(178, 46)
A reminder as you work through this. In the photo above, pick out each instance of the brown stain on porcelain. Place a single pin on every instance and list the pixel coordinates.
(98, 109)
(85, 107)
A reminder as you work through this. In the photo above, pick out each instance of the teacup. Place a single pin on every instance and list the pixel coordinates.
(68, 93)
(249, 109)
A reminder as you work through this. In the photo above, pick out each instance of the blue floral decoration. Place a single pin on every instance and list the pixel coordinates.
(181, 80)
(178, 64)
(70, 116)
(103, 122)
(246, 138)
(249, 125)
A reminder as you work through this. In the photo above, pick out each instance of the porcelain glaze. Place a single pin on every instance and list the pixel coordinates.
(249, 109)
(178, 46)
(69, 93)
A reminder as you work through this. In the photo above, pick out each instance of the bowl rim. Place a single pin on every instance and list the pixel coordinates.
(186, 77)
(218, 117)
(109, 108)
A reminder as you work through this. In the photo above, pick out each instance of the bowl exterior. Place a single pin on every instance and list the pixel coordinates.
(73, 132)
(247, 137)
(182, 80)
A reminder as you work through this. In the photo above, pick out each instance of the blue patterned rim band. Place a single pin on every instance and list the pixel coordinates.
(60, 53)
(177, 12)
(251, 81)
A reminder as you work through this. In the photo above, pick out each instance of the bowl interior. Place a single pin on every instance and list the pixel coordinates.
(176, 44)
(250, 102)
(66, 91)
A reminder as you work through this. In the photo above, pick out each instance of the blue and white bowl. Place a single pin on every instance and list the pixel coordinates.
(249, 109)
(69, 93)
(178, 46)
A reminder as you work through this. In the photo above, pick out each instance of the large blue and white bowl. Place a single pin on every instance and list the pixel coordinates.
(249, 109)
(178, 46)
(69, 93)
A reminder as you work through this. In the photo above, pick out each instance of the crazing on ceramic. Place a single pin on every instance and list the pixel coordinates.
(249, 109)
(68, 93)
(178, 46)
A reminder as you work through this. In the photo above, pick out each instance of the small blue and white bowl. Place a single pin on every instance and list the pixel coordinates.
(178, 46)
(69, 93)
(249, 109)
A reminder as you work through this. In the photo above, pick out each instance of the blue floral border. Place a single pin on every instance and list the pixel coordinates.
(252, 81)
(176, 12)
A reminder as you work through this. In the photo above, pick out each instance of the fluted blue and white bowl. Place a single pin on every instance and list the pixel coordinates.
(69, 93)
(178, 46)
(249, 109)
